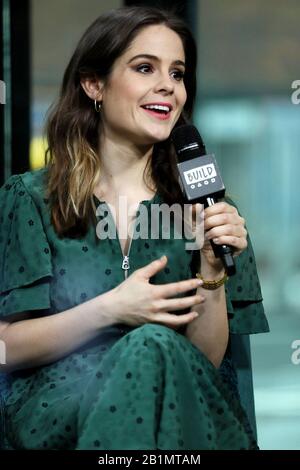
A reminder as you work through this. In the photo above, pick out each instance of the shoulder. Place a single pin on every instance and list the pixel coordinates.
(31, 184)
(23, 197)
(31, 180)
(25, 254)
(35, 182)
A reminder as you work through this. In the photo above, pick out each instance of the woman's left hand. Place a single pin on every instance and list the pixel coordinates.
(223, 225)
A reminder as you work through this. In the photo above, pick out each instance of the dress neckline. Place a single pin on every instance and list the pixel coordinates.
(154, 198)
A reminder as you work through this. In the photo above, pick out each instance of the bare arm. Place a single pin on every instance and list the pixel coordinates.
(209, 332)
(37, 341)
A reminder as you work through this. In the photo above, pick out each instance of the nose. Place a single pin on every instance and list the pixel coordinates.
(164, 84)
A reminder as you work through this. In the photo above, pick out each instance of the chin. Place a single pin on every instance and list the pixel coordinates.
(159, 135)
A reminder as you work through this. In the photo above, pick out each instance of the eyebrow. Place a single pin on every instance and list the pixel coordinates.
(153, 57)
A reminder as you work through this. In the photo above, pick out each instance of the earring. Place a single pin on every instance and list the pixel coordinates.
(98, 106)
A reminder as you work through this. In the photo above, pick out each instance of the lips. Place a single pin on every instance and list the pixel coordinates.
(161, 111)
(160, 106)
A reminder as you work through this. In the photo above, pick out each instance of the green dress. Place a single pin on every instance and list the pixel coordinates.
(131, 388)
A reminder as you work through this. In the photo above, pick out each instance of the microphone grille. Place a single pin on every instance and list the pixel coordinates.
(182, 136)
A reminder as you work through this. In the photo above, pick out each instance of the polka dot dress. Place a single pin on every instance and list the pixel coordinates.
(130, 388)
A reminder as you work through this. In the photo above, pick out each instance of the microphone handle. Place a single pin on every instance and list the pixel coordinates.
(224, 252)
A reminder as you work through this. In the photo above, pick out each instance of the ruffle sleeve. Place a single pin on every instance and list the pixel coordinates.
(25, 256)
(244, 298)
(243, 294)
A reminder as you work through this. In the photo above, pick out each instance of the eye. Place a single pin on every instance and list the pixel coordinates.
(177, 75)
(144, 68)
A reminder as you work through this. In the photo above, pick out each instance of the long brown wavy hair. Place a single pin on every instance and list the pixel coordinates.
(73, 127)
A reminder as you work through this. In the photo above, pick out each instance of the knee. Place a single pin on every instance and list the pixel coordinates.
(155, 333)
(153, 330)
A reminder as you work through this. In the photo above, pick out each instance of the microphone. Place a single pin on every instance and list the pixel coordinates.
(200, 180)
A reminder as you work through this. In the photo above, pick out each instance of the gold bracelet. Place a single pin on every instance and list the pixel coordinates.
(212, 285)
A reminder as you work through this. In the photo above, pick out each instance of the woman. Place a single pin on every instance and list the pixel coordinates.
(93, 354)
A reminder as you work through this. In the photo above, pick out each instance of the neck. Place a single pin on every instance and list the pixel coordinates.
(122, 166)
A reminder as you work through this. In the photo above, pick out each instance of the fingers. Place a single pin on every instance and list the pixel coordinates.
(174, 288)
(226, 230)
(219, 208)
(226, 216)
(225, 226)
(170, 305)
(240, 244)
(152, 268)
(174, 321)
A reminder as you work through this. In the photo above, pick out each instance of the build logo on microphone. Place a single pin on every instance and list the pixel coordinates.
(204, 174)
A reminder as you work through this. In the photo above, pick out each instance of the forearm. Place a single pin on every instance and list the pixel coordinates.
(39, 341)
(209, 332)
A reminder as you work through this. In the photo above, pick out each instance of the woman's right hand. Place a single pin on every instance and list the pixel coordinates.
(139, 302)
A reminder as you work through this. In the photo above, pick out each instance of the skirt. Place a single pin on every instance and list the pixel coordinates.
(147, 388)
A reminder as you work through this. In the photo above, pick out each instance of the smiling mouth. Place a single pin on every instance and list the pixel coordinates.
(161, 113)
(160, 107)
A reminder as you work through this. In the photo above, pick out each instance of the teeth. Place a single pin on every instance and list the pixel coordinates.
(158, 107)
